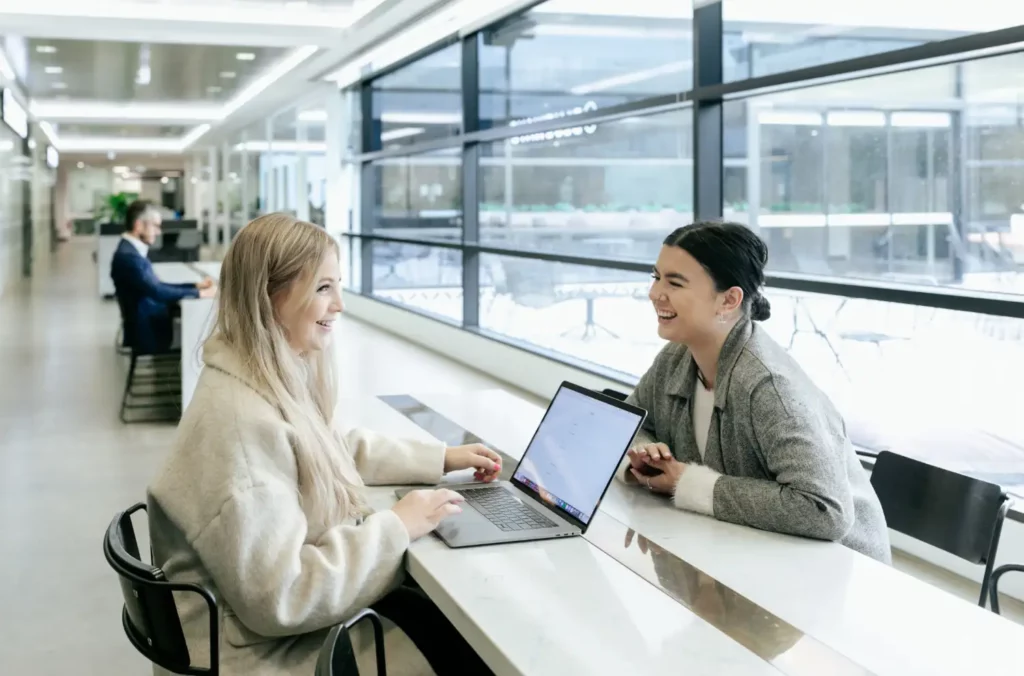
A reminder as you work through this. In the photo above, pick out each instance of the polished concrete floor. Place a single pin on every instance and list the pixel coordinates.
(67, 463)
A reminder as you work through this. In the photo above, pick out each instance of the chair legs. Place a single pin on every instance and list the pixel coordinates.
(993, 583)
(990, 559)
(153, 387)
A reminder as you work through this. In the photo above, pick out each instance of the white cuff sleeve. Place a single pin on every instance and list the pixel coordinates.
(695, 490)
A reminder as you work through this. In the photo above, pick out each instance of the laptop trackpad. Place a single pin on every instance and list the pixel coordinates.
(470, 525)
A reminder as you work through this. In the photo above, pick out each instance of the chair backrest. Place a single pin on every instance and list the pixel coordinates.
(945, 509)
(615, 394)
(150, 617)
(189, 239)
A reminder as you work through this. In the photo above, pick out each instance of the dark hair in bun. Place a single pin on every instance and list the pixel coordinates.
(733, 255)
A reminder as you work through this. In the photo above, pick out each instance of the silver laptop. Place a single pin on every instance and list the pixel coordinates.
(558, 485)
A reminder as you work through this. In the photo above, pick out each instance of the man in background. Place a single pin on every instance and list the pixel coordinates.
(148, 306)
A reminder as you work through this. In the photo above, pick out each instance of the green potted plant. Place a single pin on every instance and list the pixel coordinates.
(114, 208)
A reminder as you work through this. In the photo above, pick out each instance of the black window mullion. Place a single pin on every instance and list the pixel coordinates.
(707, 113)
(470, 182)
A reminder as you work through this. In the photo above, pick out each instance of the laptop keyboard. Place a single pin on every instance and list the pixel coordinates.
(504, 511)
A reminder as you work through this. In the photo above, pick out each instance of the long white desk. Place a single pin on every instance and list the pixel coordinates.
(777, 604)
(196, 315)
(176, 273)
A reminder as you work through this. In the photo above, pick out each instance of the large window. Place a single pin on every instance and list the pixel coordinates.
(585, 143)
(862, 178)
(606, 190)
(565, 57)
(419, 102)
(420, 195)
(428, 279)
(761, 37)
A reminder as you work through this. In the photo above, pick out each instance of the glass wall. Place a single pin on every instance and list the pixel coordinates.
(606, 190)
(567, 57)
(588, 144)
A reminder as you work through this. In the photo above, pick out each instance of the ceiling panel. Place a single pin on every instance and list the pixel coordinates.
(122, 130)
(117, 71)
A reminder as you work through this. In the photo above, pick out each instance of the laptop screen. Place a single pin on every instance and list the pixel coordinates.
(575, 452)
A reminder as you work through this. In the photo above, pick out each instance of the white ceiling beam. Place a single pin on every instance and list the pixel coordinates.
(188, 25)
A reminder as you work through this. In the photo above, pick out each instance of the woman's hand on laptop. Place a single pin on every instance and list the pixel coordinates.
(486, 462)
(421, 511)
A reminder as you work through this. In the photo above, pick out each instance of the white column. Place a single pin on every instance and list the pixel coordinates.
(212, 188)
(244, 176)
(301, 180)
(339, 198)
(226, 202)
(753, 166)
(271, 168)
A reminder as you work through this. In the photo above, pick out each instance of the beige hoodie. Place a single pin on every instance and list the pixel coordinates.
(224, 512)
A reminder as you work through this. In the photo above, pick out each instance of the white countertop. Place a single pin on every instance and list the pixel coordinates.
(176, 273)
(567, 607)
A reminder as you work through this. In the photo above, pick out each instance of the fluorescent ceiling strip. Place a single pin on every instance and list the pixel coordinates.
(275, 73)
(794, 118)
(124, 112)
(81, 110)
(5, 67)
(281, 146)
(410, 117)
(631, 78)
(920, 119)
(856, 118)
(49, 133)
(194, 135)
(99, 144)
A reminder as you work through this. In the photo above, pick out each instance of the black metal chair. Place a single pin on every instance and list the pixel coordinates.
(954, 512)
(153, 384)
(151, 621)
(993, 586)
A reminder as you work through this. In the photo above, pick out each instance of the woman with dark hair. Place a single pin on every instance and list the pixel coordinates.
(736, 429)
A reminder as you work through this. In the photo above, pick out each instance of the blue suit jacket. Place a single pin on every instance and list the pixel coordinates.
(145, 301)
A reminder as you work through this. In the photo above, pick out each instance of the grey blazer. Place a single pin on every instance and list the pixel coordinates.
(780, 444)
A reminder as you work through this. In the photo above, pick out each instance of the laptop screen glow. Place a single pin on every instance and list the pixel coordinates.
(575, 451)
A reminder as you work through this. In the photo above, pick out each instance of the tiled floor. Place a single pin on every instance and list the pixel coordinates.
(67, 464)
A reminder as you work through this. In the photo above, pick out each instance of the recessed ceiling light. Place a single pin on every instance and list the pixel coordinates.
(54, 70)
(81, 165)
(59, 85)
(213, 90)
(165, 180)
(245, 56)
(228, 75)
(46, 49)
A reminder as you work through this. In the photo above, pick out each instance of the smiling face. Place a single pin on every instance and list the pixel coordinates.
(309, 308)
(686, 300)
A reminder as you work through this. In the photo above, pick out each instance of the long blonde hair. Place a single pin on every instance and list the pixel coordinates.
(277, 254)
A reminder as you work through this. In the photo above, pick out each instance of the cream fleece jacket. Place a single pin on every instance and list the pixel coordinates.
(225, 512)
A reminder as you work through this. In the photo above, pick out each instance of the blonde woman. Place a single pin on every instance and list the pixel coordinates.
(260, 498)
